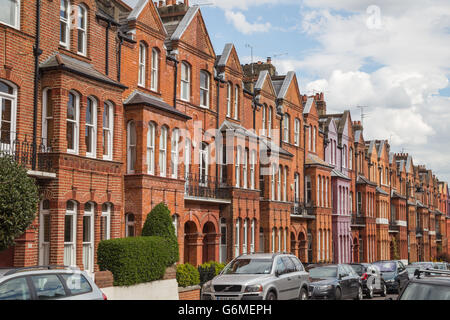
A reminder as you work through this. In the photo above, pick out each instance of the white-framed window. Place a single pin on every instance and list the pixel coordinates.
(269, 122)
(155, 70)
(285, 184)
(314, 139)
(204, 89)
(204, 164)
(108, 131)
(82, 30)
(244, 242)
(70, 234)
(245, 168)
(326, 193)
(90, 137)
(279, 240)
(309, 138)
(64, 23)
(229, 88)
(105, 222)
(285, 240)
(187, 158)
(252, 169)
(8, 107)
(174, 152)
(151, 148)
(142, 75)
(279, 184)
(131, 149)
(273, 240)
(350, 159)
(274, 171)
(237, 231)
(308, 190)
(163, 152)
(44, 233)
(344, 156)
(237, 167)
(47, 116)
(185, 82)
(10, 13)
(175, 224)
(318, 192)
(236, 102)
(286, 128)
(319, 246)
(264, 110)
(296, 187)
(73, 120)
(252, 237)
(130, 225)
(322, 190)
(297, 132)
(88, 237)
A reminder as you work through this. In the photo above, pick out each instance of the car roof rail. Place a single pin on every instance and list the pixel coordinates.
(434, 271)
(31, 268)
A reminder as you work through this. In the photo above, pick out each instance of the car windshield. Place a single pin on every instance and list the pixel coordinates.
(386, 266)
(323, 272)
(249, 266)
(440, 266)
(411, 269)
(359, 269)
(422, 291)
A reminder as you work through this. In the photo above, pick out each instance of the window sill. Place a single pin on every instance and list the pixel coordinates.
(10, 26)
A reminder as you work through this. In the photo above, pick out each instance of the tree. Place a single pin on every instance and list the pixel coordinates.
(18, 201)
(159, 223)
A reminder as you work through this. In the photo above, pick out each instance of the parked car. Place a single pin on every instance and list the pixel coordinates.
(411, 268)
(371, 279)
(441, 265)
(435, 287)
(423, 264)
(48, 283)
(393, 273)
(259, 276)
(335, 281)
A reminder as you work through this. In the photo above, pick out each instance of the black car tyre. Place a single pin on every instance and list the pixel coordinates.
(338, 294)
(303, 294)
(383, 290)
(359, 296)
(271, 296)
(369, 294)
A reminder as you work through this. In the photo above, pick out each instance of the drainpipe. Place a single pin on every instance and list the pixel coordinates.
(119, 67)
(107, 48)
(37, 52)
(175, 82)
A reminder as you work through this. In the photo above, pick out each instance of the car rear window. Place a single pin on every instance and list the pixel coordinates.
(15, 289)
(386, 266)
(48, 286)
(77, 283)
(423, 291)
(359, 269)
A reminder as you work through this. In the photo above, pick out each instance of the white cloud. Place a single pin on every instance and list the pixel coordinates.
(241, 24)
(243, 4)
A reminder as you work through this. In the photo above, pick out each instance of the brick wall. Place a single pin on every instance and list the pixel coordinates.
(190, 293)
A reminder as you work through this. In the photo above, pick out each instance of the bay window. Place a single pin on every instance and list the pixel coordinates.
(286, 128)
(91, 128)
(174, 153)
(236, 102)
(108, 130)
(47, 117)
(73, 113)
(163, 152)
(131, 150)
(151, 148)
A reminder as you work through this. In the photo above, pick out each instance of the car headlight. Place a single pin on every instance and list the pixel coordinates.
(207, 287)
(254, 288)
(324, 288)
(390, 280)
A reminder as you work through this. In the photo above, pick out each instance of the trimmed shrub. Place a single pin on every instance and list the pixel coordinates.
(187, 275)
(134, 260)
(159, 223)
(209, 270)
(18, 200)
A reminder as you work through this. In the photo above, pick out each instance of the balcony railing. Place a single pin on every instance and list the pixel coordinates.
(357, 220)
(20, 148)
(438, 236)
(393, 226)
(301, 210)
(203, 186)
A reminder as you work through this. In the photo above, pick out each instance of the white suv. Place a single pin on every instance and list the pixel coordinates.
(48, 283)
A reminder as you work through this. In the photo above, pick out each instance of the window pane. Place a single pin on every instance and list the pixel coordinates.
(77, 283)
(68, 220)
(70, 135)
(48, 287)
(87, 220)
(104, 228)
(71, 112)
(8, 11)
(4, 88)
(81, 35)
(15, 289)
(46, 228)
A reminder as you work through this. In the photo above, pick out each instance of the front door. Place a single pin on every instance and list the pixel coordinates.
(44, 234)
(88, 237)
(70, 228)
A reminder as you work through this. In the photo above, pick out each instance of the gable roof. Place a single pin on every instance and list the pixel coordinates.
(184, 23)
(285, 85)
(308, 105)
(137, 10)
(225, 55)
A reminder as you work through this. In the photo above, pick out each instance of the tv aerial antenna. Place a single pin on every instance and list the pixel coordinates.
(247, 45)
(363, 114)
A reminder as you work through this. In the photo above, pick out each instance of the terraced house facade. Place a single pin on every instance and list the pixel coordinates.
(125, 108)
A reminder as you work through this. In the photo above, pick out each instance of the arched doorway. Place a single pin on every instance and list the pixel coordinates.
(355, 250)
(209, 242)
(294, 247)
(302, 247)
(190, 243)
(310, 248)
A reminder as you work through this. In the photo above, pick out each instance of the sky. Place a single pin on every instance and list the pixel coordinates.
(391, 56)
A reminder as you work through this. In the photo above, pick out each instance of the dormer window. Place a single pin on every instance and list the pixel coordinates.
(204, 89)
(185, 81)
(142, 65)
(10, 13)
(64, 23)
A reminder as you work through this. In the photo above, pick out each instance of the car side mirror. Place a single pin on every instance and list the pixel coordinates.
(374, 272)
(277, 273)
(341, 276)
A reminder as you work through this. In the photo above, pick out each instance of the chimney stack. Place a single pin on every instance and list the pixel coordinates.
(186, 3)
(170, 2)
(269, 60)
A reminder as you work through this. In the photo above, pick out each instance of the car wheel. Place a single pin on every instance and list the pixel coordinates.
(338, 294)
(369, 294)
(360, 294)
(303, 294)
(271, 296)
(383, 290)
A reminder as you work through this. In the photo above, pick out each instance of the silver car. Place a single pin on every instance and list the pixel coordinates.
(260, 276)
(48, 283)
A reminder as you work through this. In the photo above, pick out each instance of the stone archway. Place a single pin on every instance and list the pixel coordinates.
(209, 242)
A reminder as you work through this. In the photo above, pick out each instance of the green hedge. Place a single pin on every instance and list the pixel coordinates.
(209, 270)
(135, 260)
(187, 275)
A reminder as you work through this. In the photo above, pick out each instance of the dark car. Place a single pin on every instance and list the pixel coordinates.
(334, 281)
(393, 273)
(427, 287)
(371, 279)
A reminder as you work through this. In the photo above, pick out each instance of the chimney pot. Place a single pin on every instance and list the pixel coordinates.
(186, 3)
(269, 60)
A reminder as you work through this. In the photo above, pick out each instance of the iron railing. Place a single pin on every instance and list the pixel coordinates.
(204, 186)
(393, 225)
(358, 220)
(438, 236)
(20, 147)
